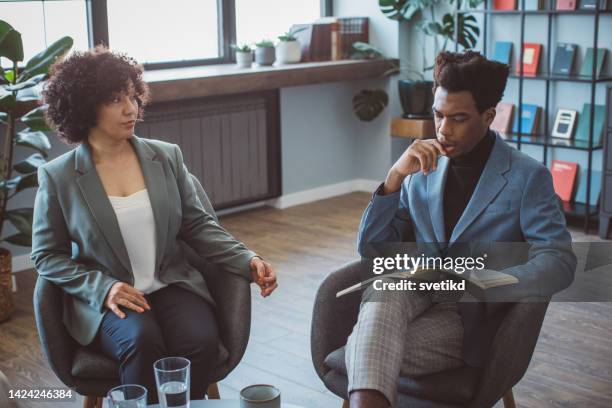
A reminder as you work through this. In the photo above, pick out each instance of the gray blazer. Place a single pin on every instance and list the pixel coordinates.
(72, 210)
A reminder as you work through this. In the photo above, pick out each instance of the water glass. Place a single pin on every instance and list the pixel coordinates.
(128, 396)
(172, 376)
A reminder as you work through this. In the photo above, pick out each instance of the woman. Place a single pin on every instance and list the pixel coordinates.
(125, 202)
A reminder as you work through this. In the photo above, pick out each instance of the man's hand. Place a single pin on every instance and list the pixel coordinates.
(263, 275)
(122, 294)
(421, 155)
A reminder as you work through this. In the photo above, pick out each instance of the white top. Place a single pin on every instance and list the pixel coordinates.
(137, 225)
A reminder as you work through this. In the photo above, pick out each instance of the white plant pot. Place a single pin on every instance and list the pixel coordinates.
(244, 59)
(288, 52)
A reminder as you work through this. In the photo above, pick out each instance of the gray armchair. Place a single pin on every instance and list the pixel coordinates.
(333, 320)
(92, 374)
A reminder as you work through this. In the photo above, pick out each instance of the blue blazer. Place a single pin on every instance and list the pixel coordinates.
(514, 201)
(72, 209)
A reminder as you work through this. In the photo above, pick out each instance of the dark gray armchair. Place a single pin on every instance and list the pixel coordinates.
(333, 320)
(92, 374)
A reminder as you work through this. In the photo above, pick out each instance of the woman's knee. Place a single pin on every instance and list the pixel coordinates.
(146, 338)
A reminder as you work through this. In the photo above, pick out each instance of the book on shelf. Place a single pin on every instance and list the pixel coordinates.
(531, 59)
(480, 278)
(566, 4)
(503, 117)
(534, 4)
(564, 59)
(565, 123)
(564, 178)
(504, 4)
(584, 123)
(503, 52)
(587, 64)
(350, 31)
(595, 188)
(530, 119)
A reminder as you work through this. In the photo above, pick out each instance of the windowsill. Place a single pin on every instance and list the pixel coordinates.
(225, 79)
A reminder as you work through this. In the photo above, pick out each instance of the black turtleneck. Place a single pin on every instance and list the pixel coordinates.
(463, 175)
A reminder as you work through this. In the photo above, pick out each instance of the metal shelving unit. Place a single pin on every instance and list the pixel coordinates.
(589, 209)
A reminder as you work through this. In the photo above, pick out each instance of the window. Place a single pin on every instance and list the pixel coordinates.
(158, 33)
(267, 19)
(154, 31)
(43, 22)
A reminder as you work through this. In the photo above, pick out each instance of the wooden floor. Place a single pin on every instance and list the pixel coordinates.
(572, 365)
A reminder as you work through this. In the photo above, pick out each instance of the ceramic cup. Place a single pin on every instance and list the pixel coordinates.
(260, 396)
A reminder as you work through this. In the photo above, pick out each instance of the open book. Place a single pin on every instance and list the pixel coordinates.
(483, 278)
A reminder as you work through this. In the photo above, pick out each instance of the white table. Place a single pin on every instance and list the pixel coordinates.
(223, 404)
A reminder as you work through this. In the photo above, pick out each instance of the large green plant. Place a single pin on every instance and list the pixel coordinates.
(20, 108)
(422, 13)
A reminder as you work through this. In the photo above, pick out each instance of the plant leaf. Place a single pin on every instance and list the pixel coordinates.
(20, 239)
(10, 184)
(27, 181)
(401, 10)
(30, 164)
(26, 84)
(7, 100)
(21, 218)
(368, 104)
(3, 117)
(35, 119)
(11, 46)
(40, 63)
(34, 139)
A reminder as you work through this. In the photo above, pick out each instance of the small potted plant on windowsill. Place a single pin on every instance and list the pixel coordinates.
(264, 52)
(244, 55)
(289, 50)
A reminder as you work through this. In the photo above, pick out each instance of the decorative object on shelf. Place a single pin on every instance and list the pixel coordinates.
(244, 55)
(566, 4)
(503, 52)
(564, 178)
(265, 53)
(416, 98)
(595, 188)
(584, 123)
(565, 123)
(352, 30)
(531, 59)
(20, 105)
(587, 64)
(503, 117)
(288, 49)
(564, 59)
(319, 40)
(588, 4)
(368, 104)
(530, 119)
(504, 4)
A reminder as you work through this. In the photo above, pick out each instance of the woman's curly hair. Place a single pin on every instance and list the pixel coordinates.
(81, 83)
(470, 71)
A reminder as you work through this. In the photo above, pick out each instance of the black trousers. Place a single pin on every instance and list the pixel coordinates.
(179, 324)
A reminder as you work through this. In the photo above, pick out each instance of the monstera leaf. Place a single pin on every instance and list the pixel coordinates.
(368, 104)
(402, 9)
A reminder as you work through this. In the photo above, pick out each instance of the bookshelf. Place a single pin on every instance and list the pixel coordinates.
(588, 210)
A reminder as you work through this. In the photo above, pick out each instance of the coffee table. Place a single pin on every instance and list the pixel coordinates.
(222, 404)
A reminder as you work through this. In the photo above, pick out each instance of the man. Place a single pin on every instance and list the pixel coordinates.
(466, 185)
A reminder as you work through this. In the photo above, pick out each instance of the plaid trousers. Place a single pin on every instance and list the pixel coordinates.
(402, 333)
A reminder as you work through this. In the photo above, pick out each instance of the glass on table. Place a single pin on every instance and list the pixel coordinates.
(172, 376)
(127, 396)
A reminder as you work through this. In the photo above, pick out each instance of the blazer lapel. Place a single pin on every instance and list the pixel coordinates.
(490, 183)
(435, 198)
(102, 211)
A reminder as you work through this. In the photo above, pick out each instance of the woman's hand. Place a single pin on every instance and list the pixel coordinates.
(122, 294)
(263, 275)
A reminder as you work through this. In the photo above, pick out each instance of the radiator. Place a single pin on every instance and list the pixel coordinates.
(231, 144)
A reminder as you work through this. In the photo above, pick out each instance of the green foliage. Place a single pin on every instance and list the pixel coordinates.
(362, 50)
(242, 48)
(290, 35)
(20, 103)
(264, 44)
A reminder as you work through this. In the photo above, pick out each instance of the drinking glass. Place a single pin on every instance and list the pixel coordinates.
(172, 376)
(128, 396)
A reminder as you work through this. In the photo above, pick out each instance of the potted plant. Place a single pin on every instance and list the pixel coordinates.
(244, 55)
(288, 49)
(23, 118)
(265, 52)
(415, 92)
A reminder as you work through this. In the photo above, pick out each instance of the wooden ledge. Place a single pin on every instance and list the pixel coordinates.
(413, 128)
(225, 79)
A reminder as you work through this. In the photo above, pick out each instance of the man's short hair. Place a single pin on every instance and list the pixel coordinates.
(470, 71)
